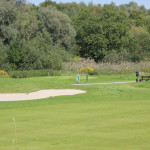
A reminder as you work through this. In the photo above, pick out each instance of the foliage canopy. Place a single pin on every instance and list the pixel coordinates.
(44, 36)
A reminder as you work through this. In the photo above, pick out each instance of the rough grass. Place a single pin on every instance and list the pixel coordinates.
(107, 117)
(108, 68)
(74, 67)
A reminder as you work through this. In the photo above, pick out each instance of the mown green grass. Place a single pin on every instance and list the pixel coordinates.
(107, 117)
(37, 83)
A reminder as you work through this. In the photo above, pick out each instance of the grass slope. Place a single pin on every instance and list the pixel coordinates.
(107, 117)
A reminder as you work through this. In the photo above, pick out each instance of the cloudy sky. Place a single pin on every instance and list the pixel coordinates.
(146, 3)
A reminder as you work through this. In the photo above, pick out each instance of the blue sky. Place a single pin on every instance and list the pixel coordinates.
(146, 3)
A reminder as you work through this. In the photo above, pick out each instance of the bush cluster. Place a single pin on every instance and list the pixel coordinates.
(87, 70)
(34, 73)
(3, 74)
(34, 38)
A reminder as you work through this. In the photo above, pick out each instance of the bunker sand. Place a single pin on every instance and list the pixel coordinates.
(38, 95)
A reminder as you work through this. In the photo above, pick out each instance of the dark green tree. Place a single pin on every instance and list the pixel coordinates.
(58, 25)
(101, 30)
(48, 3)
(70, 9)
(8, 11)
(27, 22)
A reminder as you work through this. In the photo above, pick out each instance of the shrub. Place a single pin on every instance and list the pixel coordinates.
(87, 70)
(3, 74)
(34, 73)
(117, 57)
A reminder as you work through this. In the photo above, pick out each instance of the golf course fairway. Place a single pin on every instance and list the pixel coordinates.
(106, 117)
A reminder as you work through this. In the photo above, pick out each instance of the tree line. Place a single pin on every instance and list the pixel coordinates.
(45, 36)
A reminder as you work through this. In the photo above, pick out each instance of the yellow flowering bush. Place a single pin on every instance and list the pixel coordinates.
(3, 74)
(87, 70)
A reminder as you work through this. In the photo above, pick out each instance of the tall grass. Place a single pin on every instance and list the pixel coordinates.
(74, 66)
(108, 68)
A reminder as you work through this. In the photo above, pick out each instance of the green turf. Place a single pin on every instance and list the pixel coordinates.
(107, 117)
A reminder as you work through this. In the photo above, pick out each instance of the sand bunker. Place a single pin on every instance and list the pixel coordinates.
(38, 95)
